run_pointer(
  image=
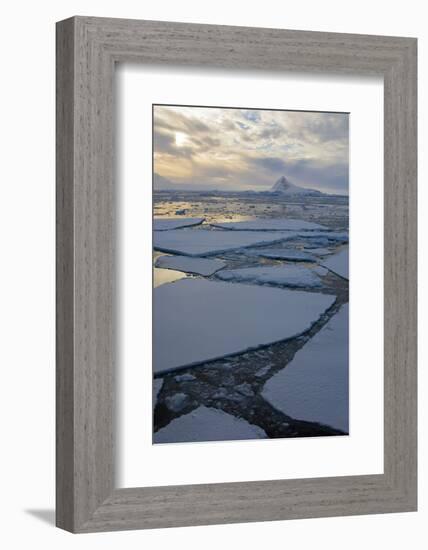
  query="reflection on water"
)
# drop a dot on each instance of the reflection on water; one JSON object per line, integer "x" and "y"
{"x": 162, "y": 276}
{"x": 217, "y": 209}
{"x": 329, "y": 210}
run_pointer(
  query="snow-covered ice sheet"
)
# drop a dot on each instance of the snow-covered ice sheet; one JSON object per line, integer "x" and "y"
{"x": 207, "y": 424}
{"x": 167, "y": 224}
{"x": 197, "y": 266}
{"x": 319, "y": 270}
{"x": 290, "y": 254}
{"x": 339, "y": 263}
{"x": 314, "y": 385}
{"x": 262, "y": 224}
{"x": 287, "y": 275}
{"x": 321, "y": 251}
{"x": 196, "y": 320}
{"x": 190, "y": 242}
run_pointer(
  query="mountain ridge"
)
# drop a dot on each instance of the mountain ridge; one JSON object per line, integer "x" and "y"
{"x": 284, "y": 186}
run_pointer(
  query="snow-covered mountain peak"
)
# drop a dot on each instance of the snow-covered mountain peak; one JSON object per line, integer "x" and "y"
{"x": 285, "y": 187}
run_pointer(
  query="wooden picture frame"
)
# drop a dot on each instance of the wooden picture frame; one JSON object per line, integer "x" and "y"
{"x": 87, "y": 50}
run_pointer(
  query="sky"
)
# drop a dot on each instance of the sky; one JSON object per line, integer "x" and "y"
{"x": 199, "y": 148}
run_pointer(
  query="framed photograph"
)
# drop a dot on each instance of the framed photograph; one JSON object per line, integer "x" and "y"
{"x": 254, "y": 265}
{"x": 236, "y": 274}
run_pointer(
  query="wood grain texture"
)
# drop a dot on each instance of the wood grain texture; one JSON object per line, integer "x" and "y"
{"x": 87, "y": 49}
{"x": 64, "y": 276}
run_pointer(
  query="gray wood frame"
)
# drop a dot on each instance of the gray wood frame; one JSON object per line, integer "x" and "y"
{"x": 87, "y": 50}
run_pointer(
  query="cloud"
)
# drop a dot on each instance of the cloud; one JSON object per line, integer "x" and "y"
{"x": 248, "y": 149}
{"x": 242, "y": 125}
{"x": 252, "y": 116}
{"x": 272, "y": 132}
{"x": 273, "y": 164}
{"x": 165, "y": 143}
{"x": 308, "y": 172}
{"x": 330, "y": 127}
{"x": 176, "y": 118}
{"x": 330, "y": 177}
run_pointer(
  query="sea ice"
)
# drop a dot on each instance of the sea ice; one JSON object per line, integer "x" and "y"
{"x": 262, "y": 224}
{"x": 245, "y": 389}
{"x": 319, "y": 270}
{"x": 157, "y": 386}
{"x": 314, "y": 385}
{"x": 321, "y": 251}
{"x": 287, "y": 275}
{"x": 163, "y": 276}
{"x": 186, "y": 377}
{"x": 167, "y": 224}
{"x": 263, "y": 371}
{"x": 282, "y": 254}
{"x": 316, "y": 242}
{"x": 196, "y": 320}
{"x": 197, "y": 266}
{"x": 338, "y": 236}
{"x": 207, "y": 424}
{"x": 339, "y": 263}
{"x": 177, "y": 401}
{"x": 207, "y": 243}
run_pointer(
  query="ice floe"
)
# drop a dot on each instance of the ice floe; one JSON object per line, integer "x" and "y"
{"x": 186, "y": 377}
{"x": 339, "y": 263}
{"x": 291, "y": 254}
{"x": 190, "y": 242}
{"x": 196, "y": 320}
{"x": 177, "y": 401}
{"x": 314, "y": 385}
{"x": 337, "y": 236}
{"x": 319, "y": 270}
{"x": 207, "y": 424}
{"x": 315, "y": 242}
{"x": 167, "y": 224}
{"x": 263, "y": 371}
{"x": 263, "y": 224}
{"x": 157, "y": 386}
{"x": 321, "y": 251}
{"x": 287, "y": 275}
{"x": 197, "y": 266}
{"x": 245, "y": 389}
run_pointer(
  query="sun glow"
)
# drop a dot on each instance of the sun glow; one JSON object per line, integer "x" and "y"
{"x": 180, "y": 139}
